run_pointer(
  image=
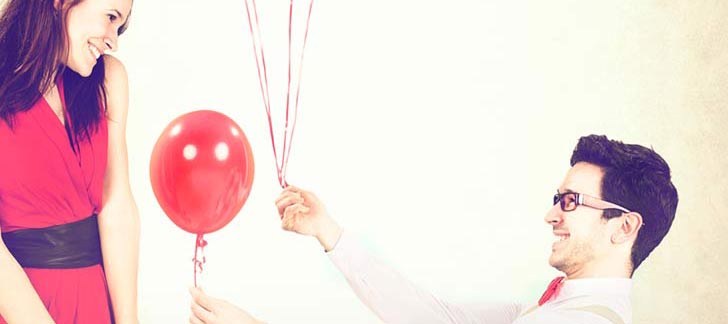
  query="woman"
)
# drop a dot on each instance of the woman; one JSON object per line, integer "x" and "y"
{"x": 69, "y": 224}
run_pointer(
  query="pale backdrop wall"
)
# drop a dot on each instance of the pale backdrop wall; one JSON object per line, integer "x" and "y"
{"x": 437, "y": 132}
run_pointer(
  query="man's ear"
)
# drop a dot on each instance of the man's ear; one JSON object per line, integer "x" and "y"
{"x": 630, "y": 224}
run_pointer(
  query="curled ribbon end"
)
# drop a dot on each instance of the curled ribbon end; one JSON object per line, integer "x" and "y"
{"x": 200, "y": 244}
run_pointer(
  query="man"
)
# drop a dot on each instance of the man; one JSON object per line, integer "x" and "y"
{"x": 613, "y": 208}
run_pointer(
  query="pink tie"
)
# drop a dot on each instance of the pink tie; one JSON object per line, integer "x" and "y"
{"x": 551, "y": 291}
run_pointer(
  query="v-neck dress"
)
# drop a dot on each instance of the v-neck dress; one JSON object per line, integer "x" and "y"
{"x": 47, "y": 181}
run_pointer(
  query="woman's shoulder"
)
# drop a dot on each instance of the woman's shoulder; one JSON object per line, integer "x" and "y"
{"x": 117, "y": 87}
{"x": 114, "y": 70}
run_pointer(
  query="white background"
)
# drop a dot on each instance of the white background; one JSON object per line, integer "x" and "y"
{"x": 437, "y": 132}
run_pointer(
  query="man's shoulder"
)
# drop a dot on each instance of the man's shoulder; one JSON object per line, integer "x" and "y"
{"x": 609, "y": 309}
{"x": 577, "y": 314}
{"x": 606, "y": 314}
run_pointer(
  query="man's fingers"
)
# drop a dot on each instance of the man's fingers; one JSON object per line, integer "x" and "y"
{"x": 295, "y": 209}
{"x": 286, "y": 202}
{"x": 292, "y": 216}
{"x": 289, "y": 191}
{"x": 286, "y": 194}
{"x": 307, "y": 195}
{"x": 293, "y": 189}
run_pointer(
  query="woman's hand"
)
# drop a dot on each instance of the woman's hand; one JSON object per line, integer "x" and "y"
{"x": 209, "y": 310}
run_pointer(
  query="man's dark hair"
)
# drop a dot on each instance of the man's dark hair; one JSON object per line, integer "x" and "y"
{"x": 638, "y": 179}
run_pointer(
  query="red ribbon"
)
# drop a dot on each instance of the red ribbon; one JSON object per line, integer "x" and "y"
{"x": 254, "y": 25}
{"x": 200, "y": 244}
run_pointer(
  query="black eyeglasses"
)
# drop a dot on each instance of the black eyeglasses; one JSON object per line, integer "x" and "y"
{"x": 569, "y": 201}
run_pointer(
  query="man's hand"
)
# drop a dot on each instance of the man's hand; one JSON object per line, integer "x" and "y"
{"x": 302, "y": 212}
{"x": 209, "y": 310}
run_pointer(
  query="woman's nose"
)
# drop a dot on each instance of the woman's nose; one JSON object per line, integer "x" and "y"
{"x": 111, "y": 43}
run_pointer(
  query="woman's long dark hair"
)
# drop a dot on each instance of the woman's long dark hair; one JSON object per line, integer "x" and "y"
{"x": 32, "y": 51}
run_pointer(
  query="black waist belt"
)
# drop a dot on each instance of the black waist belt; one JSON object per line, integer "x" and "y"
{"x": 67, "y": 246}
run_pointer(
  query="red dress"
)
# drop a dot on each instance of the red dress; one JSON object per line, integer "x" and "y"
{"x": 44, "y": 182}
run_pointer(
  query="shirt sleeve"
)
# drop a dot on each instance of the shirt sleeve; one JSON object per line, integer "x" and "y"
{"x": 394, "y": 299}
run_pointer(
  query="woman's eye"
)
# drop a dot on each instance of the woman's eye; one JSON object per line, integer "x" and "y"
{"x": 112, "y": 18}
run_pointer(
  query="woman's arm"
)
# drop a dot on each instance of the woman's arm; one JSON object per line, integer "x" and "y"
{"x": 19, "y": 303}
{"x": 119, "y": 217}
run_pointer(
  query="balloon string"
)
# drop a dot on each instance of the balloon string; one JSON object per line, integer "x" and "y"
{"x": 262, "y": 76}
{"x": 298, "y": 83}
{"x": 288, "y": 94}
{"x": 282, "y": 163}
{"x": 200, "y": 244}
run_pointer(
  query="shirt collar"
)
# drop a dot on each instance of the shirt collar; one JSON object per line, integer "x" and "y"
{"x": 594, "y": 286}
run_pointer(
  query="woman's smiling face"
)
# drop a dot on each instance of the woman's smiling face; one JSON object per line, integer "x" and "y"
{"x": 92, "y": 28}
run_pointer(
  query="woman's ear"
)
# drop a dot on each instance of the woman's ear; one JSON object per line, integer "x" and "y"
{"x": 61, "y": 5}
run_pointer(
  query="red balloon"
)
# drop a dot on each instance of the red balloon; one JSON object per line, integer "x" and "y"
{"x": 202, "y": 171}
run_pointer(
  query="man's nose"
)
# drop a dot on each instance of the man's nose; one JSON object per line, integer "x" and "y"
{"x": 554, "y": 216}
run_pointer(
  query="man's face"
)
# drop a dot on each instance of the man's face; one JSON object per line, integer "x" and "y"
{"x": 582, "y": 236}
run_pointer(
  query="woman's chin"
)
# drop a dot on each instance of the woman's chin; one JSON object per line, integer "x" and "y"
{"x": 82, "y": 70}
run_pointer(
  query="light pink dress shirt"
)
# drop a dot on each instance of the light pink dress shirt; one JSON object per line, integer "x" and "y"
{"x": 394, "y": 299}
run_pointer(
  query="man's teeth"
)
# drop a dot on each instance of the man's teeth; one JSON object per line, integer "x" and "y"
{"x": 563, "y": 237}
{"x": 94, "y": 51}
